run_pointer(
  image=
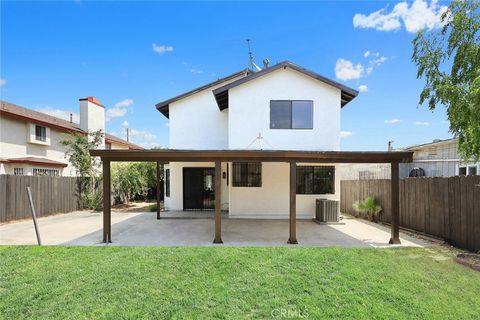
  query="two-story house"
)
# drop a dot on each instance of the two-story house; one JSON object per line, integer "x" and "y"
{"x": 282, "y": 107}
{"x": 30, "y": 140}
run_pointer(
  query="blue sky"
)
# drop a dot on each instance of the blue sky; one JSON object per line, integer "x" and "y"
{"x": 132, "y": 55}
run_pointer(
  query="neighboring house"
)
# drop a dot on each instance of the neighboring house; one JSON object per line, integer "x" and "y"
{"x": 283, "y": 107}
{"x": 439, "y": 158}
{"x": 30, "y": 140}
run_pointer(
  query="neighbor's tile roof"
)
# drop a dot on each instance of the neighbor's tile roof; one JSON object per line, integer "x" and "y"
{"x": 35, "y": 160}
{"x": 15, "y": 111}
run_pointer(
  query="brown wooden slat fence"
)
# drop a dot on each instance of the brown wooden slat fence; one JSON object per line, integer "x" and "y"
{"x": 448, "y": 208}
{"x": 50, "y": 195}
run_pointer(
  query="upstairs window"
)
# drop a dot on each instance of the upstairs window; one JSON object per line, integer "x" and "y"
{"x": 315, "y": 180}
{"x": 291, "y": 114}
{"x": 247, "y": 174}
{"x": 40, "y": 133}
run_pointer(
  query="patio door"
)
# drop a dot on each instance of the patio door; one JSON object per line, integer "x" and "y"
{"x": 198, "y": 189}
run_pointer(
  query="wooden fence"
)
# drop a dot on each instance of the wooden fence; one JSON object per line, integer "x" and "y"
{"x": 448, "y": 208}
{"x": 50, "y": 195}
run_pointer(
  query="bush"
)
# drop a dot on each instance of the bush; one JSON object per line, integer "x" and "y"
{"x": 132, "y": 179}
{"x": 93, "y": 200}
{"x": 369, "y": 208}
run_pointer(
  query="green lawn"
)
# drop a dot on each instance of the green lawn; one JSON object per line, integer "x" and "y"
{"x": 232, "y": 282}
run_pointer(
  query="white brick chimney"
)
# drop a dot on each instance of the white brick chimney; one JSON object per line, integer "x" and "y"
{"x": 92, "y": 116}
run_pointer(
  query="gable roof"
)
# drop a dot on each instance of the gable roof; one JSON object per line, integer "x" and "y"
{"x": 14, "y": 111}
{"x": 221, "y": 94}
{"x": 163, "y": 106}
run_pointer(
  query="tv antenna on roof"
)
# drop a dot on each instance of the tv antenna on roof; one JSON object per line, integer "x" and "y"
{"x": 251, "y": 64}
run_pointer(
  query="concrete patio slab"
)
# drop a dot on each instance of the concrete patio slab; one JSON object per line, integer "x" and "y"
{"x": 143, "y": 229}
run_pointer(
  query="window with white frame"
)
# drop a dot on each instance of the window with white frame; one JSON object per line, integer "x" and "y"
{"x": 18, "y": 171}
{"x": 46, "y": 172}
{"x": 40, "y": 133}
{"x": 468, "y": 170}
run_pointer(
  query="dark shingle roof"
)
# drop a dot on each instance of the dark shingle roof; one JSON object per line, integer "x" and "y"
{"x": 163, "y": 106}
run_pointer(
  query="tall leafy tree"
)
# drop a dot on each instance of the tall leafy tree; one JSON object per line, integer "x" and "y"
{"x": 77, "y": 148}
{"x": 449, "y": 60}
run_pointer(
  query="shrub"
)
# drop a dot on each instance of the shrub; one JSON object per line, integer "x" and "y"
{"x": 369, "y": 208}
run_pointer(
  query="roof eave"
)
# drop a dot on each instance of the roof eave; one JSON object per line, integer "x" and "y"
{"x": 347, "y": 93}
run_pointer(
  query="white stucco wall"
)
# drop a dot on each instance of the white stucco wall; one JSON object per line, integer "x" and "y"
{"x": 14, "y": 143}
{"x": 272, "y": 199}
{"x": 196, "y": 122}
{"x": 249, "y": 113}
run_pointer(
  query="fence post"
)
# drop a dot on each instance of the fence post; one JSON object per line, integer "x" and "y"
{"x": 34, "y": 216}
{"x": 395, "y": 203}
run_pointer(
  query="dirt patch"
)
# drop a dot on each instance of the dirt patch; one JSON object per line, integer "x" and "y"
{"x": 137, "y": 206}
{"x": 471, "y": 260}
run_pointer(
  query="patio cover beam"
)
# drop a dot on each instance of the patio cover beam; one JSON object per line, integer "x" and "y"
{"x": 218, "y": 203}
{"x": 293, "y": 204}
{"x": 172, "y": 155}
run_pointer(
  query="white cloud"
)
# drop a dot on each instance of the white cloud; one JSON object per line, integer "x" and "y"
{"x": 118, "y": 110}
{"x": 195, "y": 71}
{"x": 379, "y": 61}
{"x": 125, "y": 124}
{"x": 363, "y": 88}
{"x": 3, "y": 82}
{"x": 366, "y": 54}
{"x": 422, "y": 123}
{"x": 161, "y": 49}
{"x": 59, "y": 113}
{"x": 419, "y": 15}
{"x": 393, "y": 121}
{"x": 346, "y": 70}
{"x": 344, "y": 134}
{"x": 124, "y": 103}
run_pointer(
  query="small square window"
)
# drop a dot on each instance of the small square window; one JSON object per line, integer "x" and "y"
{"x": 247, "y": 174}
{"x": 18, "y": 171}
{"x": 472, "y": 170}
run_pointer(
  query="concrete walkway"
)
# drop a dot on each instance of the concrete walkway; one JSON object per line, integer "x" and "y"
{"x": 142, "y": 229}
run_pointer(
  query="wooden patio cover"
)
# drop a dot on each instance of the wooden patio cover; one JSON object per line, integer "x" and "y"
{"x": 218, "y": 156}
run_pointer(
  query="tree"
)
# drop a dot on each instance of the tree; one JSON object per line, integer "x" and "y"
{"x": 449, "y": 59}
{"x": 77, "y": 152}
{"x": 130, "y": 179}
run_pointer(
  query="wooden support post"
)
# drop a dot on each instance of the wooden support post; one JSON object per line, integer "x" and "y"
{"x": 107, "y": 210}
{"x": 218, "y": 203}
{"x": 395, "y": 196}
{"x": 159, "y": 183}
{"x": 293, "y": 203}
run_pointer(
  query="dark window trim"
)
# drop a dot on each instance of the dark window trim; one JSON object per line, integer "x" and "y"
{"x": 300, "y": 192}
{"x": 291, "y": 114}
{"x": 249, "y": 180}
